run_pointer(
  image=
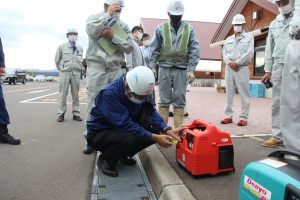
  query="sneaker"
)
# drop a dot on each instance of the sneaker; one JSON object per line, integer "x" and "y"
{"x": 88, "y": 150}
{"x": 226, "y": 121}
{"x": 8, "y": 139}
{"x": 242, "y": 123}
{"x": 128, "y": 161}
{"x": 60, "y": 118}
{"x": 171, "y": 114}
{"x": 272, "y": 142}
{"x": 77, "y": 118}
{"x": 106, "y": 168}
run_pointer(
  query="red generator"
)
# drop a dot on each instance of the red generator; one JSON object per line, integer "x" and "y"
{"x": 205, "y": 150}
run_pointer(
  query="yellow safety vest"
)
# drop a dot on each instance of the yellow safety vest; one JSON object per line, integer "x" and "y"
{"x": 177, "y": 53}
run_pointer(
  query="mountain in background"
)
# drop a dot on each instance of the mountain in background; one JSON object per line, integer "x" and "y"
{"x": 50, "y": 72}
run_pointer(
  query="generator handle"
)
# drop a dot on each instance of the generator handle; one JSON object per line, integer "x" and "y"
{"x": 281, "y": 153}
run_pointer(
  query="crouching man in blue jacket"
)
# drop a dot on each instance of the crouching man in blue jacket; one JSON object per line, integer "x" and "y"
{"x": 124, "y": 121}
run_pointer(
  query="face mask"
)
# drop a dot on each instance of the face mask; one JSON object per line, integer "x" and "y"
{"x": 116, "y": 16}
{"x": 140, "y": 36}
{"x": 175, "y": 19}
{"x": 135, "y": 100}
{"x": 146, "y": 43}
{"x": 238, "y": 29}
{"x": 285, "y": 9}
{"x": 72, "y": 38}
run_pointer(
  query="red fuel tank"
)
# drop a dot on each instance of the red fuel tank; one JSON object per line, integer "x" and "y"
{"x": 205, "y": 150}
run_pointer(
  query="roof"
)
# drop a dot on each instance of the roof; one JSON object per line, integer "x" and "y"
{"x": 204, "y": 32}
{"x": 237, "y": 7}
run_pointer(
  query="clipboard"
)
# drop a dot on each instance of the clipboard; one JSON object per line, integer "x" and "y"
{"x": 107, "y": 45}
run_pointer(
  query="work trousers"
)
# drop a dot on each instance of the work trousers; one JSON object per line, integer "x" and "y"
{"x": 4, "y": 117}
{"x": 237, "y": 80}
{"x": 65, "y": 80}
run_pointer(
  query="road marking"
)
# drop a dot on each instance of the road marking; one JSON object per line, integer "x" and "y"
{"x": 249, "y": 135}
{"x": 37, "y": 91}
{"x": 28, "y": 100}
{"x": 48, "y": 102}
{"x": 12, "y": 91}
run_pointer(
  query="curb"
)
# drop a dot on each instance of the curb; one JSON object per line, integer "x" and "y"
{"x": 165, "y": 182}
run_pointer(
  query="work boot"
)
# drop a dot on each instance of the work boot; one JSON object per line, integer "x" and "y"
{"x": 178, "y": 117}
{"x": 226, "y": 121}
{"x": 88, "y": 149}
{"x": 106, "y": 168}
{"x": 128, "y": 161}
{"x": 5, "y": 137}
{"x": 171, "y": 114}
{"x": 272, "y": 142}
{"x": 60, "y": 118}
{"x": 77, "y": 118}
{"x": 242, "y": 123}
{"x": 164, "y": 113}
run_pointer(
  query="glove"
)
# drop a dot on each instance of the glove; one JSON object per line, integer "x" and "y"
{"x": 191, "y": 76}
{"x": 154, "y": 71}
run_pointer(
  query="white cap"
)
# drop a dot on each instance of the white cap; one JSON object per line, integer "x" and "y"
{"x": 238, "y": 19}
{"x": 176, "y": 7}
{"x": 109, "y": 2}
{"x": 72, "y": 30}
{"x": 141, "y": 80}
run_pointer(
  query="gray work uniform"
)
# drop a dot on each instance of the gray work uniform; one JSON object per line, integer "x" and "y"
{"x": 173, "y": 73}
{"x": 101, "y": 67}
{"x": 239, "y": 49}
{"x": 290, "y": 97}
{"x": 68, "y": 61}
{"x": 135, "y": 58}
{"x": 277, "y": 41}
{"x": 146, "y": 54}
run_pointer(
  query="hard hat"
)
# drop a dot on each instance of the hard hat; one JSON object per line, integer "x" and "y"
{"x": 238, "y": 19}
{"x": 176, "y": 7}
{"x": 141, "y": 80}
{"x": 109, "y": 2}
{"x": 72, "y": 30}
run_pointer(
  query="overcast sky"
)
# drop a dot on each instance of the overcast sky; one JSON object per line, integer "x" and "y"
{"x": 31, "y": 30}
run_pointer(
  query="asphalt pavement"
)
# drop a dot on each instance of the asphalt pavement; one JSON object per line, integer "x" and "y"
{"x": 49, "y": 163}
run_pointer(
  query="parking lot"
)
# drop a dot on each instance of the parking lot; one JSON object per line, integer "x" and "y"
{"x": 49, "y": 163}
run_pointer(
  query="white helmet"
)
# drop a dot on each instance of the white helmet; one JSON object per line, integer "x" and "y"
{"x": 72, "y": 30}
{"x": 176, "y": 7}
{"x": 109, "y": 2}
{"x": 238, "y": 19}
{"x": 141, "y": 80}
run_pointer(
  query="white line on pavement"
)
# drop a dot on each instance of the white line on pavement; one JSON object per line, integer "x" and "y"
{"x": 37, "y": 91}
{"x": 28, "y": 100}
{"x": 48, "y": 102}
{"x": 249, "y": 135}
{"x": 6, "y": 92}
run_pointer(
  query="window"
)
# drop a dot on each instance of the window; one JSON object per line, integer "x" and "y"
{"x": 259, "y": 58}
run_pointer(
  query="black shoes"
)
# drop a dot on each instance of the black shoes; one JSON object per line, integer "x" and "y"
{"x": 77, "y": 118}
{"x": 128, "y": 161}
{"x": 8, "y": 139}
{"x": 88, "y": 150}
{"x": 60, "y": 118}
{"x": 186, "y": 114}
{"x": 106, "y": 168}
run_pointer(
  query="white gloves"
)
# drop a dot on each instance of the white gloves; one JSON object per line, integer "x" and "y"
{"x": 190, "y": 76}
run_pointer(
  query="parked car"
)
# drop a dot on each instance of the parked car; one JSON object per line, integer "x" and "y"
{"x": 50, "y": 78}
{"x": 40, "y": 78}
{"x": 14, "y": 76}
{"x": 29, "y": 78}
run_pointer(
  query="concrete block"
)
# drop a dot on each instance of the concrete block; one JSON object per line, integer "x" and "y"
{"x": 176, "y": 192}
{"x": 159, "y": 171}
